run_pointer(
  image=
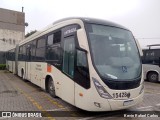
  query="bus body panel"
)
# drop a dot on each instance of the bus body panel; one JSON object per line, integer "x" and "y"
{"x": 10, "y": 66}
{"x": 21, "y": 68}
{"x": 90, "y": 99}
{"x": 13, "y": 67}
{"x": 37, "y": 72}
{"x": 28, "y": 70}
{"x": 65, "y": 86}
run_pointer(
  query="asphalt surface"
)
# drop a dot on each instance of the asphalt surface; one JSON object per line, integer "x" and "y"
{"x": 21, "y": 96}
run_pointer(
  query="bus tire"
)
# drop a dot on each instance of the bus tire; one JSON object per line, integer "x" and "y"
{"x": 152, "y": 77}
{"x": 22, "y": 74}
{"x": 51, "y": 88}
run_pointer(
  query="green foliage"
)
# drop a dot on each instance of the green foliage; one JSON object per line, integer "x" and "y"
{"x": 30, "y": 33}
{"x": 2, "y": 66}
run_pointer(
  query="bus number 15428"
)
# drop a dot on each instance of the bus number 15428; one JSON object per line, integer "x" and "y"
{"x": 121, "y": 95}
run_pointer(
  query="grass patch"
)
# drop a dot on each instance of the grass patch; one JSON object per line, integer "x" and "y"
{"x": 2, "y": 66}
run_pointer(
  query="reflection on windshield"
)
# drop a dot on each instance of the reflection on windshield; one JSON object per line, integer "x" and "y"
{"x": 114, "y": 52}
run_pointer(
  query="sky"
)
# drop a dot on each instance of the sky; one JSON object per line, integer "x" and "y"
{"x": 142, "y": 17}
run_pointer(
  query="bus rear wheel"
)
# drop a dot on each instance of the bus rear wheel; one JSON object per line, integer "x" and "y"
{"x": 51, "y": 88}
{"x": 153, "y": 77}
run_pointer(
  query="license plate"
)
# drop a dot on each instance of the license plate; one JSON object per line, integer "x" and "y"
{"x": 128, "y": 102}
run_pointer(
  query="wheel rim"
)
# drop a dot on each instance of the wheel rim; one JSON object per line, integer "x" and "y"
{"x": 22, "y": 75}
{"x": 51, "y": 88}
{"x": 154, "y": 77}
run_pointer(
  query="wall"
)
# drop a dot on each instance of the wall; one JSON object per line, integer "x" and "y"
{"x": 12, "y": 28}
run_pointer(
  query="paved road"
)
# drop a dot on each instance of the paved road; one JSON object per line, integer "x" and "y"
{"x": 19, "y": 95}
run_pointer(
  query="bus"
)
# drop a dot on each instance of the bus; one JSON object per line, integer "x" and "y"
{"x": 92, "y": 64}
{"x": 10, "y": 60}
{"x": 151, "y": 63}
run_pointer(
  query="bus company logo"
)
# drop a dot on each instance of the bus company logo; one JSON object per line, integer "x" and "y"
{"x": 6, "y": 114}
{"x": 124, "y": 69}
{"x": 70, "y": 31}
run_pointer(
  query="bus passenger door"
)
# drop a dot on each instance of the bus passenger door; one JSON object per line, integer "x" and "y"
{"x": 67, "y": 84}
{"x": 28, "y": 63}
{"x": 82, "y": 79}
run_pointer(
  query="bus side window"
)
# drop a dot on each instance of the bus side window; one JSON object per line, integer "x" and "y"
{"x": 40, "y": 49}
{"x": 24, "y": 53}
{"x": 68, "y": 56}
{"x": 82, "y": 70}
{"x": 33, "y": 50}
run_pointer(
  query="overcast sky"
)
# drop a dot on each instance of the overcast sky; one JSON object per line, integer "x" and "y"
{"x": 142, "y": 17}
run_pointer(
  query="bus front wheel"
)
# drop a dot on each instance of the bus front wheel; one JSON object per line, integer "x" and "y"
{"x": 153, "y": 77}
{"x": 51, "y": 88}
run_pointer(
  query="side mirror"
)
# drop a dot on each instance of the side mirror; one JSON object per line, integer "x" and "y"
{"x": 139, "y": 48}
{"x": 82, "y": 39}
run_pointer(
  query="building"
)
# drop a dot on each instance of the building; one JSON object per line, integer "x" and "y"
{"x": 12, "y": 29}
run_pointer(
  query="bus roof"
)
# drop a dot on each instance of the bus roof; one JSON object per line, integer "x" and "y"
{"x": 85, "y": 20}
{"x": 93, "y": 20}
{"x": 153, "y": 45}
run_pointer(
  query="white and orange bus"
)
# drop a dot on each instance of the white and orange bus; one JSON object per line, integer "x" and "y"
{"x": 92, "y": 64}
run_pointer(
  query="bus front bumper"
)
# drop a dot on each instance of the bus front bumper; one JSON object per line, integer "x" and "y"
{"x": 124, "y": 104}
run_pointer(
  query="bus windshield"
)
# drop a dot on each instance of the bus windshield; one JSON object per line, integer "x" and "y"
{"x": 114, "y": 52}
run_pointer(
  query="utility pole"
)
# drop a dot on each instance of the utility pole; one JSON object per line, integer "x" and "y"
{"x": 22, "y": 9}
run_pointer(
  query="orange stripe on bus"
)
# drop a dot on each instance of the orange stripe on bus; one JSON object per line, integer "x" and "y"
{"x": 49, "y": 68}
{"x": 81, "y": 94}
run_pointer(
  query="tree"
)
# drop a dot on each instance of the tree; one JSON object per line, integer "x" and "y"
{"x": 30, "y": 33}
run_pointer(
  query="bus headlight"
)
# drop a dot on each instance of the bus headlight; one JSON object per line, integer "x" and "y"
{"x": 102, "y": 92}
